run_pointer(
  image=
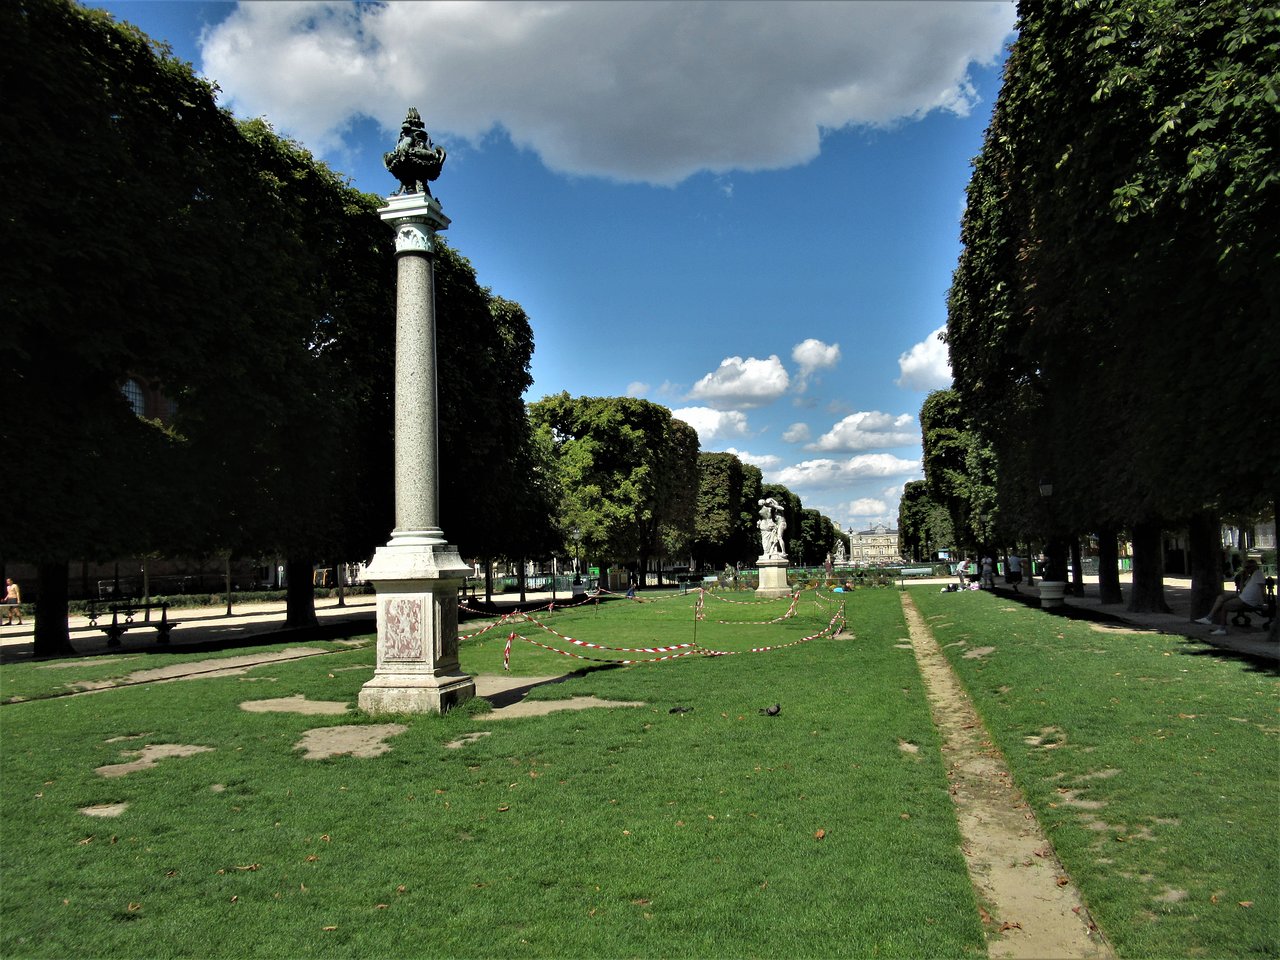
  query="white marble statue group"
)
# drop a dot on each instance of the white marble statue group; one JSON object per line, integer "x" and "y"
{"x": 772, "y": 524}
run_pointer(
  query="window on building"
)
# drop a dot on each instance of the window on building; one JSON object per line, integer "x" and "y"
{"x": 132, "y": 391}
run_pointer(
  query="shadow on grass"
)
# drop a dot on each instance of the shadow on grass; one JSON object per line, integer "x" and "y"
{"x": 1190, "y": 646}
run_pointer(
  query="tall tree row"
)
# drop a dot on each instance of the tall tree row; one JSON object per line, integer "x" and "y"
{"x": 149, "y": 235}
{"x": 1113, "y": 314}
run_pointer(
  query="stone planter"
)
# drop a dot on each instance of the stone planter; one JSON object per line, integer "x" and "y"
{"x": 1051, "y": 593}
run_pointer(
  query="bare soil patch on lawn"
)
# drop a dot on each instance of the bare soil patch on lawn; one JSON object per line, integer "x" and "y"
{"x": 365, "y": 740}
{"x": 1030, "y": 907}
{"x": 296, "y": 704}
{"x": 147, "y": 757}
{"x": 198, "y": 670}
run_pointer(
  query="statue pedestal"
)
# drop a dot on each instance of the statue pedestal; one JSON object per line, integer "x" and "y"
{"x": 773, "y": 578}
{"x": 418, "y": 669}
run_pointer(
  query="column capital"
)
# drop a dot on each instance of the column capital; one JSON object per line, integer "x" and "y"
{"x": 415, "y": 218}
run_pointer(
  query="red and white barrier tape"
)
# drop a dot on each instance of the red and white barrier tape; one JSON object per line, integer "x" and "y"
{"x": 791, "y": 612}
{"x": 835, "y": 625}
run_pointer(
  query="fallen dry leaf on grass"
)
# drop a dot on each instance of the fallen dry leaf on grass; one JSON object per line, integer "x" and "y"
{"x": 1010, "y": 925}
{"x": 819, "y": 834}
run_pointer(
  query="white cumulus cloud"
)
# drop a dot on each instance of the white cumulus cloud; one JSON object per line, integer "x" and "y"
{"x": 867, "y": 507}
{"x": 637, "y": 388}
{"x": 742, "y": 384}
{"x": 868, "y": 430}
{"x": 927, "y": 365}
{"x": 825, "y": 473}
{"x": 634, "y": 91}
{"x": 764, "y": 461}
{"x": 796, "y": 433}
{"x": 713, "y": 424}
{"x": 810, "y": 355}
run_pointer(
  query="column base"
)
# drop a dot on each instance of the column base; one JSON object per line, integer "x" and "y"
{"x": 415, "y": 693}
{"x": 418, "y": 670}
{"x": 773, "y": 579}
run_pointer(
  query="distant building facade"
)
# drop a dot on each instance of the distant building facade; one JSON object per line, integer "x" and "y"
{"x": 879, "y": 544}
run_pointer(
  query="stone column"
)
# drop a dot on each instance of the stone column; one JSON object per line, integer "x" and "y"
{"x": 418, "y": 573}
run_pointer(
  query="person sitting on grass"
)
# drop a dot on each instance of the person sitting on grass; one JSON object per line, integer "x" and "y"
{"x": 1252, "y": 598}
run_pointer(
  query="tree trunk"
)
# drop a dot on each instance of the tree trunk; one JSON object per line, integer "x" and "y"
{"x": 522, "y": 578}
{"x": 488, "y": 580}
{"x": 1055, "y": 561}
{"x": 1204, "y": 531}
{"x": 300, "y": 594}
{"x": 1077, "y": 569}
{"x": 1274, "y": 635}
{"x": 1109, "y": 567}
{"x": 1147, "y": 595}
{"x": 52, "y": 636}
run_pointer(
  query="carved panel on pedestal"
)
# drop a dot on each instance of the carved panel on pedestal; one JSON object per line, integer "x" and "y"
{"x": 404, "y": 628}
{"x": 449, "y": 631}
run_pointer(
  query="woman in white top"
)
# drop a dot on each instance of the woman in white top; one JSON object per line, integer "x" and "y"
{"x": 1252, "y": 598}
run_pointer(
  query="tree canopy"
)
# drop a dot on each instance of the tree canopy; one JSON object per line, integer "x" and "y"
{"x": 1113, "y": 313}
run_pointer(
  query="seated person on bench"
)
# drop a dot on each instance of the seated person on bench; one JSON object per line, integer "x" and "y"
{"x": 1252, "y": 598}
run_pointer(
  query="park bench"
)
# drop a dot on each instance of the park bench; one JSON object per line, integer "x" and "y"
{"x": 912, "y": 572}
{"x": 1241, "y": 617}
{"x": 129, "y": 608}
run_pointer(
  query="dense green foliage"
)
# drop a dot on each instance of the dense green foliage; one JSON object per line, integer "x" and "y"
{"x": 924, "y": 525}
{"x": 228, "y": 269}
{"x": 1116, "y": 298}
{"x": 720, "y": 536}
{"x": 627, "y": 475}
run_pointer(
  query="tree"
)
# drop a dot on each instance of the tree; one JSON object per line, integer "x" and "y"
{"x": 717, "y": 520}
{"x": 625, "y": 472}
{"x": 1122, "y": 197}
{"x": 139, "y": 169}
{"x": 924, "y": 526}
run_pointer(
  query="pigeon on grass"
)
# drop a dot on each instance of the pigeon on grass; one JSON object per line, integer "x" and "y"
{"x": 772, "y": 711}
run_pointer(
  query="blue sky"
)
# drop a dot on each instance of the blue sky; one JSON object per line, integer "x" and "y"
{"x": 746, "y": 211}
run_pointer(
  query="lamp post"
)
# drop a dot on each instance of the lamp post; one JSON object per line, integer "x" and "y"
{"x": 576, "y": 534}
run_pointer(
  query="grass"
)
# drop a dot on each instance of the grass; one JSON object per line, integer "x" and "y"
{"x": 56, "y": 678}
{"x": 1151, "y": 762}
{"x": 620, "y": 832}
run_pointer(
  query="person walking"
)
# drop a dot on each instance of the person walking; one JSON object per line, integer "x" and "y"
{"x": 12, "y": 601}
{"x": 1015, "y": 571}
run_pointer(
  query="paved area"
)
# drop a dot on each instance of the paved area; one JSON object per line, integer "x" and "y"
{"x": 200, "y": 627}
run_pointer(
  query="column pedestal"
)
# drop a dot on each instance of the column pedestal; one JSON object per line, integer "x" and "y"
{"x": 417, "y": 669}
{"x": 773, "y": 578}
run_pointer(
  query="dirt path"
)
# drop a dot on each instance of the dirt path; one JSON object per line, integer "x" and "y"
{"x": 1031, "y": 909}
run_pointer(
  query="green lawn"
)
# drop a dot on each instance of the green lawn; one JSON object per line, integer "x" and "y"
{"x": 1152, "y": 765}
{"x": 1151, "y": 761}
{"x": 604, "y": 833}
